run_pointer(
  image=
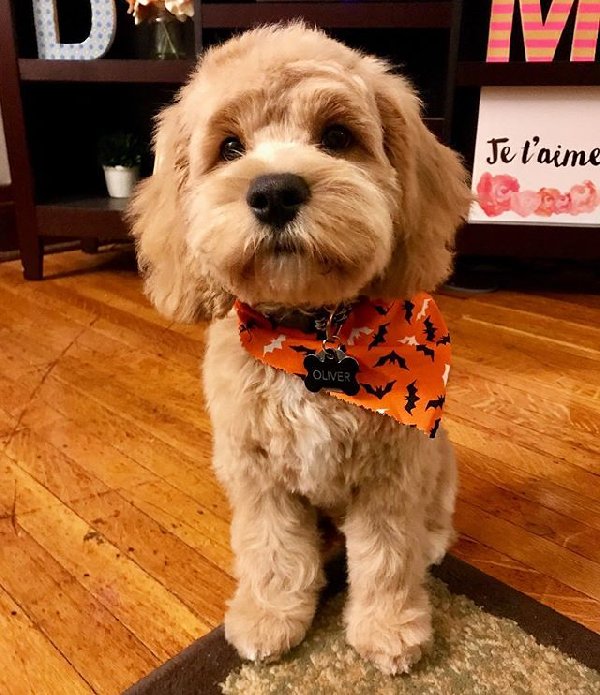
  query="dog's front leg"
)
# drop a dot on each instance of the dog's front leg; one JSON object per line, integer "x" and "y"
{"x": 275, "y": 541}
{"x": 388, "y": 617}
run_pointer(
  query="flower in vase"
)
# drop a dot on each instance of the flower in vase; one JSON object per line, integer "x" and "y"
{"x": 148, "y": 9}
{"x": 182, "y": 9}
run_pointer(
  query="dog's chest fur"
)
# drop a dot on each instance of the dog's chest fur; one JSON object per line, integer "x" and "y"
{"x": 267, "y": 425}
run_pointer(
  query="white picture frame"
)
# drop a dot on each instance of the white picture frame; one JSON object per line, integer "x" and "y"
{"x": 537, "y": 156}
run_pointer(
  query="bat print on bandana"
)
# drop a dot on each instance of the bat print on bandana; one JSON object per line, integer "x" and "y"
{"x": 430, "y": 330}
{"x": 411, "y": 397}
{"x": 446, "y": 374}
{"x": 409, "y": 307}
{"x": 303, "y": 349}
{"x": 391, "y": 358}
{"x": 357, "y": 332}
{"x": 379, "y": 336}
{"x": 383, "y": 310}
{"x": 427, "y": 351}
{"x": 275, "y": 344}
{"x": 379, "y": 391}
{"x": 248, "y": 326}
{"x": 402, "y": 370}
{"x": 426, "y": 302}
{"x": 436, "y": 402}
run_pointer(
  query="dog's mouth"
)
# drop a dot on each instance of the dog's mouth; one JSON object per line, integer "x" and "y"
{"x": 281, "y": 243}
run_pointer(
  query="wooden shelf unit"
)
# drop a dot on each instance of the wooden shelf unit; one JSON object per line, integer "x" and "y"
{"x": 105, "y": 70}
{"x": 65, "y": 217}
{"x": 25, "y": 83}
{"x": 331, "y": 15}
{"x": 529, "y": 241}
{"x": 556, "y": 74}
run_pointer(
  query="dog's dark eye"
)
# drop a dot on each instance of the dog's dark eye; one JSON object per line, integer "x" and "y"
{"x": 232, "y": 148}
{"x": 336, "y": 137}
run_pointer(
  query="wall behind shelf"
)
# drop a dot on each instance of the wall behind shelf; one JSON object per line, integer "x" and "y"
{"x": 64, "y": 122}
{"x": 419, "y": 54}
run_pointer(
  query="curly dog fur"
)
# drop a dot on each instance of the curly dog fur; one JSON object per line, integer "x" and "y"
{"x": 380, "y": 222}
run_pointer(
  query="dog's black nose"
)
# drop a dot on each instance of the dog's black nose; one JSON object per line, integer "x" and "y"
{"x": 275, "y": 199}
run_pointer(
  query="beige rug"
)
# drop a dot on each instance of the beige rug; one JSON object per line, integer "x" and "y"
{"x": 474, "y": 652}
{"x": 510, "y": 645}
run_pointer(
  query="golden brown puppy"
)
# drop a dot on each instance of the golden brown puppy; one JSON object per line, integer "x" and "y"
{"x": 375, "y": 204}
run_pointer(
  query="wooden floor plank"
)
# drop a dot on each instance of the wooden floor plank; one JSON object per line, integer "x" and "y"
{"x": 545, "y": 409}
{"x": 566, "y": 449}
{"x": 199, "y": 583}
{"x": 14, "y": 397}
{"x": 182, "y": 343}
{"x": 157, "y": 417}
{"x": 576, "y": 338}
{"x": 184, "y": 393}
{"x": 530, "y": 357}
{"x": 514, "y": 455}
{"x": 49, "y": 673}
{"x": 20, "y": 493}
{"x": 546, "y": 382}
{"x": 95, "y": 454}
{"x": 49, "y": 466}
{"x": 143, "y": 605}
{"x": 527, "y": 580}
{"x": 12, "y": 282}
{"x": 532, "y": 517}
{"x": 69, "y": 616}
{"x": 572, "y": 603}
{"x": 540, "y": 489}
{"x": 190, "y": 474}
{"x": 104, "y": 336}
{"x": 196, "y": 525}
{"x": 577, "y": 572}
{"x": 559, "y": 311}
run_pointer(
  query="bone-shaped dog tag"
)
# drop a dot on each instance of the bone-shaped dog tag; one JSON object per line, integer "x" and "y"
{"x": 333, "y": 370}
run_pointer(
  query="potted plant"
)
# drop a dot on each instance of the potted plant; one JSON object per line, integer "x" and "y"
{"x": 120, "y": 156}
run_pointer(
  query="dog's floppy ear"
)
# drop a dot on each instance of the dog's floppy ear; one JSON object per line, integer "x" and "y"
{"x": 433, "y": 196}
{"x": 173, "y": 279}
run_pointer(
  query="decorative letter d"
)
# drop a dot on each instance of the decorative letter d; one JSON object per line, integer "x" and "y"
{"x": 104, "y": 24}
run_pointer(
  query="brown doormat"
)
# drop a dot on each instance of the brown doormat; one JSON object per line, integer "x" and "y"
{"x": 476, "y": 650}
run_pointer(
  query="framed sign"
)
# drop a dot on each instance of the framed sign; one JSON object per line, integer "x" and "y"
{"x": 537, "y": 156}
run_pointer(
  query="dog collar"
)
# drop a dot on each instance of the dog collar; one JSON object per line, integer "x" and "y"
{"x": 394, "y": 353}
{"x": 313, "y": 321}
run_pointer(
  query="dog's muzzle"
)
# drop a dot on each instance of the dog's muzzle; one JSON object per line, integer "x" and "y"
{"x": 275, "y": 199}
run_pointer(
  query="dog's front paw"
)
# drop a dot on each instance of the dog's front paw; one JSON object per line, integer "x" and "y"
{"x": 393, "y": 640}
{"x": 264, "y": 634}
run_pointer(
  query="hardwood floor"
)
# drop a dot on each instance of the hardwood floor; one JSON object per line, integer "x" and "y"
{"x": 114, "y": 550}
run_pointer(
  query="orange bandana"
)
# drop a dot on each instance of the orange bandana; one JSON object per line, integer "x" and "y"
{"x": 402, "y": 348}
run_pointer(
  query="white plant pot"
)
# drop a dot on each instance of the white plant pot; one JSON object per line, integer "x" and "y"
{"x": 121, "y": 180}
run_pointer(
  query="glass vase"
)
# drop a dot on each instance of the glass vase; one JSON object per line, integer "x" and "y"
{"x": 164, "y": 37}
